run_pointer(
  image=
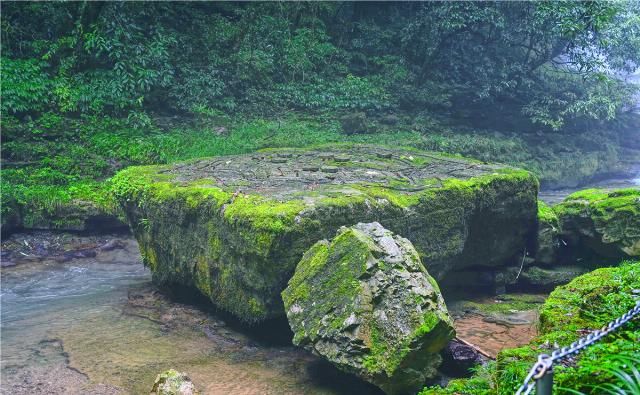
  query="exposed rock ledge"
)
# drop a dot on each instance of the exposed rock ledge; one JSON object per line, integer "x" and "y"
{"x": 235, "y": 227}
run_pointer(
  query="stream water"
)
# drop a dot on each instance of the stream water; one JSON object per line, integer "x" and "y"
{"x": 97, "y": 325}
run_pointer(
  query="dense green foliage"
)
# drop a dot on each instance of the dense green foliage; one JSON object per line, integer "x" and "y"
{"x": 573, "y": 310}
{"x": 548, "y": 62}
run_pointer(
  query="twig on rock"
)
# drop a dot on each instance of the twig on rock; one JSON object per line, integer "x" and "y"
{"x": 524, "y": 254}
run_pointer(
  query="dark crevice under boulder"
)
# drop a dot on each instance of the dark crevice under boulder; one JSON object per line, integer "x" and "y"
{"x": 235, "y": 227}
{"x": 459, "y": 359}
{"x": 365, "y": 302}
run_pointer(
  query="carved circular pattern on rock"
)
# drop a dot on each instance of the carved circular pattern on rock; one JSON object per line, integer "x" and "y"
{"x": 285, "y": 171}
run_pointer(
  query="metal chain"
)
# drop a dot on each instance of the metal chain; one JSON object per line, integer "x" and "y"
{"x": 545, "y": 361}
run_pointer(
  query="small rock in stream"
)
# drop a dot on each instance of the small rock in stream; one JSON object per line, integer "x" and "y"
{"x": 111, "y": 245}
{"x": 172, "y": 382}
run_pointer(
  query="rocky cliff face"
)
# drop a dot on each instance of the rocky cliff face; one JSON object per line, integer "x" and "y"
{"x": 365, "y": 302}
{"x": 235, "y": 227}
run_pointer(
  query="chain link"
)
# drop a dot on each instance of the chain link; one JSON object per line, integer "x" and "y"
{"x": 544, "y": 363}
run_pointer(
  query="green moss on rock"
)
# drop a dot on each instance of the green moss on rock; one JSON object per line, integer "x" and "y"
{"x": 250, "y": 218}
{"x": 365, "y": 302}
{"x": 606, "y": 223}
{"x": 504, "y": 304}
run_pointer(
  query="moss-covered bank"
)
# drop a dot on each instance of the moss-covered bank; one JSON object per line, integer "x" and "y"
{"x": 571, "y": 311}
{"x": 235, "y": 227}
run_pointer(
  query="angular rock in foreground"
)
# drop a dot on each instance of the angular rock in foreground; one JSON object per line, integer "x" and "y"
{"x": 365, "y": 302}
{"x": 235, "y": 227}
{"x": 605, "y": 222}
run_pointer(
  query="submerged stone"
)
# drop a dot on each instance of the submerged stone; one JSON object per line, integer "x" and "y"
{"x": 606, "y": 223}
{"x": 172, "y": 382}
{"x": 235, "y": 227}
{"x": 365, "y": 302}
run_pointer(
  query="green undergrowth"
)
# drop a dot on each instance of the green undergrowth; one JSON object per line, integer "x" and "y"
{"x": 588, "y": 302}
{"x": 53, "y": 160}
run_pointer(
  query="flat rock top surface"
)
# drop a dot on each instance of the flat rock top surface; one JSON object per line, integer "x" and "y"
{"x": 286, "y": 171}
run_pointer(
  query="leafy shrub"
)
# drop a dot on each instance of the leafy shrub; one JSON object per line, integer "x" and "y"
{"x": 25, "y": 86}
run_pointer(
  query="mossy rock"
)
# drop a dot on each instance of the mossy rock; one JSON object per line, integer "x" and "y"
{"x": 365, "y": 302}
{"x": 550, "y": 277}
{"x": 74, "y": 215}
{"x": 355, "y": 123}
{"x": 548, "y": 236}
{"x": 172, "y": 382}
{"x": 235, "y": 227}
{"x": 606, "y": 223}
{"x": 573, "y": 310}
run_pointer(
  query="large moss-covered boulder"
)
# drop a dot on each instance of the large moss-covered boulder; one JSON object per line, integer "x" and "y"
{"x": 365, "y": 302}
{"x": 235, "y": 227}
{"x": 606, "y": 223}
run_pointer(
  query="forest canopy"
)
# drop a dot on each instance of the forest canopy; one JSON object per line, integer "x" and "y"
{"x": 554, "y": 65}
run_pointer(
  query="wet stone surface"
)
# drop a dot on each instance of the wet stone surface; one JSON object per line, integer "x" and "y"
{"x": 61, "y": 247}
{"x": 291, "y": 171}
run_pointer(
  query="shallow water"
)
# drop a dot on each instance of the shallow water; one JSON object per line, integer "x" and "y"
{"x": 493, "y": 332}
{"x": 97, "y": 325}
